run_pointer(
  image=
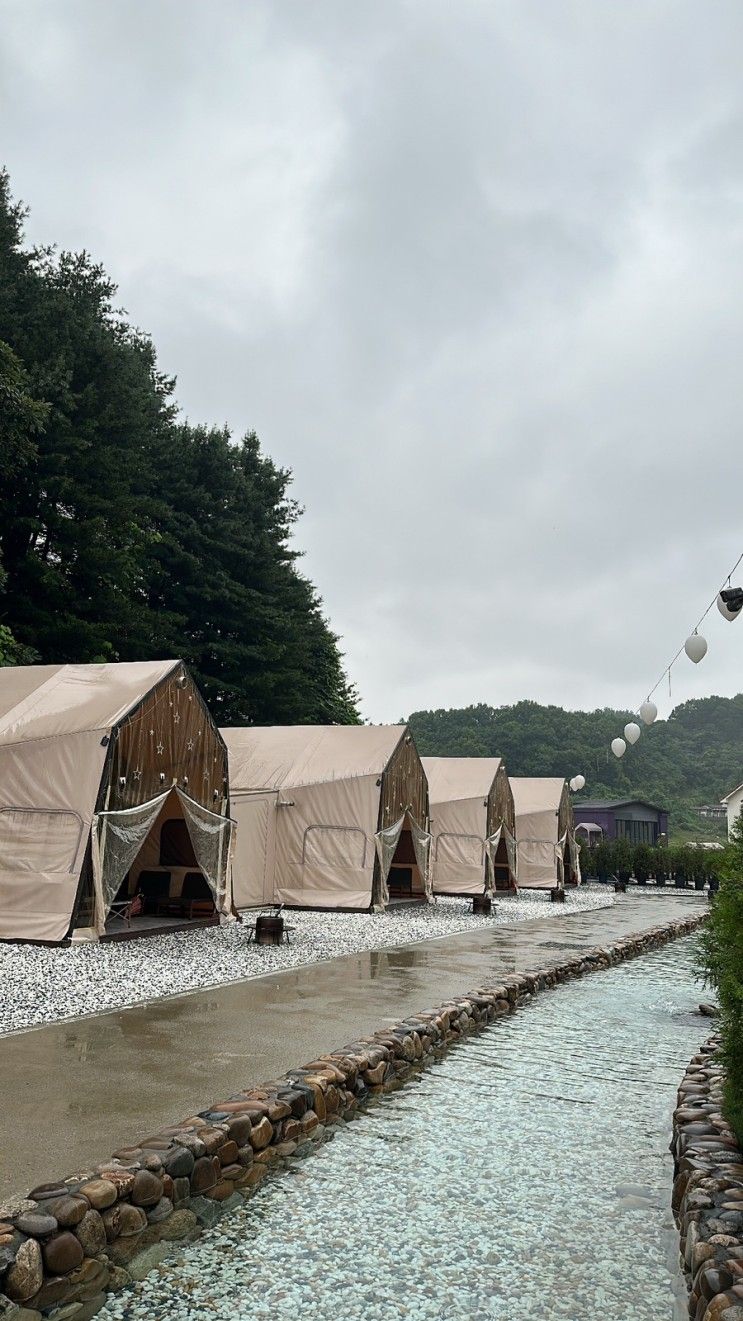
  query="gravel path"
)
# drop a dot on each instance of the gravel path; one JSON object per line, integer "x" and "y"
{"x": 43, "y": 985}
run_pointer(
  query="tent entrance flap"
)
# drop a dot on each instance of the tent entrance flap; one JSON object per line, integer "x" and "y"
{"x": 414, "y": 859}
{"x": 118, "y": 837}
{"x": 385, "y": 842}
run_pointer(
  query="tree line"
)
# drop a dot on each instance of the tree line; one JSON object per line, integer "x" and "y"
{"x": 127, "y": 533}
{"x": 690, "y": 759}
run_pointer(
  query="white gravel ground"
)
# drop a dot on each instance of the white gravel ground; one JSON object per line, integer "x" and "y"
{"x": 43, "y": 985}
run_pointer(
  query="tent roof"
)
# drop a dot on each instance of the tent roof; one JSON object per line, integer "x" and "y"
{"x": 46, "y": 701}
{"x": 538, "y": 795}
{"x": 286, "y": 756}
{"x": 451, "y": 778}
{"x": 595, "y": 804}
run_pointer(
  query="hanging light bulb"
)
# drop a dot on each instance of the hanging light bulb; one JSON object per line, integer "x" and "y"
{"x": 573, "y": 784}
{"x": 580, "y": 782}
{"x": 696, "y": 647}
{"x": 648, "y": 712}
{"x": 631, "y": 732}
{"x": 729, "y": 608}
{"x": 618, "y": 747}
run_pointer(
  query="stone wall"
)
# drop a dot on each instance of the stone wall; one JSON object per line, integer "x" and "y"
{"x": 72, "y": 1240}
{"x": 708, "y": 1192}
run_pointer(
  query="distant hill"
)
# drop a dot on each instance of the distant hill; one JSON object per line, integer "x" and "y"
{"x": 692, "y": 758}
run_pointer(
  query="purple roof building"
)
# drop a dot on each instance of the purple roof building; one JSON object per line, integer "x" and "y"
{"x": 620, "y": 818}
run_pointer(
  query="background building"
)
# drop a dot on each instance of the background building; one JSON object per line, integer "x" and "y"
{"x": 621, "y": 818}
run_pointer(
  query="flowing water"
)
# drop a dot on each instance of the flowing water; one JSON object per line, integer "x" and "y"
{"x": 526, "y": 1177}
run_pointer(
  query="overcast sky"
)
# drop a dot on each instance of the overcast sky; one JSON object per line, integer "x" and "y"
{"x": 474, "y": 271}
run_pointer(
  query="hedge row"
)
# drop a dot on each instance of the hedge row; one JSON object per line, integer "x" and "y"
{"x": 722, "y": 962}
{"x": 620, "y": 858}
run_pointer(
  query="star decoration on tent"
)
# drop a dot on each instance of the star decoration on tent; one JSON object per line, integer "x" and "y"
{"x": 152, "y": 733}
{"x": 189, "y": 745}
{"x": 206, "y": 775}
{"x": 177, "y": 717}
{"x": 160, "y": 749}
{"x": 137, "y": 774}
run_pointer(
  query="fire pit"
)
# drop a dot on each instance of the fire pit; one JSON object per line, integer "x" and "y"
{"x": 269, "y": 930}
{"x": 557, "y": 895}
{"x": 482, "y": 905}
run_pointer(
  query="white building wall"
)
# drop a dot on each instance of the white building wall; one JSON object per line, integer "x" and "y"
{"x": 733, "y": 803}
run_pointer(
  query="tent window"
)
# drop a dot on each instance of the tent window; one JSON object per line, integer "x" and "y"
{"x": 460, "y": 850}
{"x": 37, "y": 839}
{"x": 176, "y": 849}
{"x": 334, "y": 846}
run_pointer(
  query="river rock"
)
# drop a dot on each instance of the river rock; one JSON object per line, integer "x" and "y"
{"x": 261, "y": 1134}
{"x": 46, "y": 1190}
{"x": 179, "y": 1163}
{"x": 89, "y": 1279}
{"x": 68, "y": 1211}
{"x": 37, "y": 1225}
{"x": 228, "y": 1153}
{"x": 123, "y": 1221}
{"x": 161, "y": 1211}
{"x": 181, "y": 1190}
{"x": 213, "y": 1139}
{"x": 62, "y": 1253}
{"x": 203, "y": 1176}
{"x": 118, "y": 1278}
{"x": 26, "y": 1276}
{"x": 100, "y": 1193}
{"x": 147, "y": 1188}
{"x": 180, "y": 1224}
{"x": 92, "y": 1233}
{"x": 239, "y": 1129}
{"x": 145, "y": 1261}
{"x": 91, "y": 1308}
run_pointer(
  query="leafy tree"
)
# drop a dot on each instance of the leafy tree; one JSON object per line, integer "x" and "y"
{"x": 126, "y": 533}
{"x": 680, "y": 763}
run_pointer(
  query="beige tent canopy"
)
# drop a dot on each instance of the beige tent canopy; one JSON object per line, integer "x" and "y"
{"x": 473, "y": 847}
{"x": 92, "y": 759}
{"x": 545, "y": 833}
{"x": 327, "y": 816}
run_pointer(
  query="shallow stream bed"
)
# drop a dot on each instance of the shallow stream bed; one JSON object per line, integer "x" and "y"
{"x": 526, "y": 1175}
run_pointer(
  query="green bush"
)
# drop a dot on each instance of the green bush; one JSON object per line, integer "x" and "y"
{"x": 722, "y": 963}
{"x": 602, "y": 860}
{"x": 643, "y": 860}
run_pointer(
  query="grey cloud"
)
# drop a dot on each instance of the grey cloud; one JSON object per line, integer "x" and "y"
{"x": 474, "y": 272}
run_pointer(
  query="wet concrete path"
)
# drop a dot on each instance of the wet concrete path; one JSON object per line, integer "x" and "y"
{"x": 72, "y": 1092}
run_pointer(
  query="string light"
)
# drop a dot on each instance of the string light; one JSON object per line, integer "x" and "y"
{"x": 695, "y": 647}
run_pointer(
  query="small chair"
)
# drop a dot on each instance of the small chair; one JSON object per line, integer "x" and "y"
{"x": 196, "y": 898}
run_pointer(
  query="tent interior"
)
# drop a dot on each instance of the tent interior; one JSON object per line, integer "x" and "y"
{"x": 502, "y": 867}
{"x": 405, "y": 880}
{"x": 167, "y": 877}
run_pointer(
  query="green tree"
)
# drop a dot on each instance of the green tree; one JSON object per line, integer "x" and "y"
{"x": 126, "y": 533}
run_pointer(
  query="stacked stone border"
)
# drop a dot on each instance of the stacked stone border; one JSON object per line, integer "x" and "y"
{"x": 74, "y": 1240}
{"x": 708, "y": 1192}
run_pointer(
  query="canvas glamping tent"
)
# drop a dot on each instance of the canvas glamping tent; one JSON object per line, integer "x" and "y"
{"x": 327, "y": 816}
{"x": 545, "y": 833}
{"x": 473, "y": 848}
{"x": 97, "y": 762}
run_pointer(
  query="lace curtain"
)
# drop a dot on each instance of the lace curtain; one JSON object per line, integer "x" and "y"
{"x": 491, "y": 848}
{"x": 118, "y": 836}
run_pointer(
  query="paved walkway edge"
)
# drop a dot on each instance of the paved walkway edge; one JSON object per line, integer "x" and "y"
{"x": 75, "y": 1239}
